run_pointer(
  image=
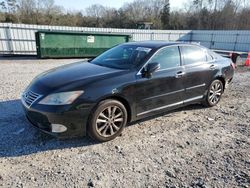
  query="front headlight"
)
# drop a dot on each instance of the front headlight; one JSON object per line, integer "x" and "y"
{"x": 62, "y": 98}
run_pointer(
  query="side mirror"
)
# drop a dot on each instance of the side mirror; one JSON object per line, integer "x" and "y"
{"x": 90, "y": 59}
{"x": 150, "y": 69}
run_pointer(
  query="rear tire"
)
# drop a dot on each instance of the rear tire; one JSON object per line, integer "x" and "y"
{"x": 214, "y": 93}
{"x": 108, "y": 120}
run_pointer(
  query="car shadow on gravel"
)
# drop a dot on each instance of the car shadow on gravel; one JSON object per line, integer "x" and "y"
{"x": 19, "y": 138}
{"x": 23, "y": 58}
{"x": 169, "y": 113}
{"x": 18, "y": 58}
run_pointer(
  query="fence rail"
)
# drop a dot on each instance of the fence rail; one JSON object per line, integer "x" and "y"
{"x": 20, "y": 38}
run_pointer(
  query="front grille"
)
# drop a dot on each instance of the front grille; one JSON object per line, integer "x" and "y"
{"x": 30, "y": 97}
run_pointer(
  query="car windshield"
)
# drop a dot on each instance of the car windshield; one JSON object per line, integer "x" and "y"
{"x": 122, "y": 57}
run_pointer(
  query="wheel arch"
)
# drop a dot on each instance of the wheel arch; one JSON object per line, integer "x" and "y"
{"x": 234, "y": 56}
{"x": 121, "y": 100}
{"x": 222, "y": 79}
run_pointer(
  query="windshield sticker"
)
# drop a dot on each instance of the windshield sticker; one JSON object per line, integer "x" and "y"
{"x": 144, "y": 49}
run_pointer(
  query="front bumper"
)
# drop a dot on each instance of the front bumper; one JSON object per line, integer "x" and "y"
{"x": 74, "y": 120}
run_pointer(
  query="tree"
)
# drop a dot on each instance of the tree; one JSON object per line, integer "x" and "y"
{"x": 12, "y": 6}
{"x": 177, "y": 20}
{"x": 228, "y": 16}
{"x": 198, "y": 4}
{"x": 27, "y": 12}
{"x": 2, "y": 11}
{"x": 243, "y": 21}
{"x": 96, "y": 11}
{"x": 165, "y": 15}
{"x": 198, "y": 14}
{"x": 204, "y": 19}
{"x": 3, "y": 6}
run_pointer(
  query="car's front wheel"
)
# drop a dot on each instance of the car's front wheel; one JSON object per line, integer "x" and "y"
{"x": 214, "y": 93}
{"x": 107, "y": 121}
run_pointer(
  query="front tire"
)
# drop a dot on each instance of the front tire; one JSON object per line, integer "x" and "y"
{"x": 214, "y": 93}
{"x": 108, "y": 120}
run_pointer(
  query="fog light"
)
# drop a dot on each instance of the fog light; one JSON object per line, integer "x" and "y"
{"x": 57, "y": 128}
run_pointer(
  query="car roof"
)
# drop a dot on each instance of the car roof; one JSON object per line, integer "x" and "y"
{"x": 157, "y": 44}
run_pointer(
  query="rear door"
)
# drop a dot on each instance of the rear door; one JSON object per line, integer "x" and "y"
{"x": 165, "y": 88}
{"x": 199, "y": 70}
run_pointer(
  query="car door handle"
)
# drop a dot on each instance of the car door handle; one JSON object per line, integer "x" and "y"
{"x": 212, "y": 67}
{"x": 179, "y": 74}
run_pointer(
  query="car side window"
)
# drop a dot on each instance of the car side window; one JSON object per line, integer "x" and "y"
{"x": 214, "y": 54}
{"x": 193, "y": 54}
{"x": 167, "y": 57}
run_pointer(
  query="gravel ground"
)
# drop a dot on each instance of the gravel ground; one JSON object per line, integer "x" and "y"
{"x": 190, "y": 147}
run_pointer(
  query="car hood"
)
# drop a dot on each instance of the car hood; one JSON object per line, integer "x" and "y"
{"x": 72, "y": 76}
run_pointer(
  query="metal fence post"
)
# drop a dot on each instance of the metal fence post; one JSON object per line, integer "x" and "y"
{"x": 191, "y": 37}
{"x": 211, "y": 42}
{"x": 152, "y": 36}
{"x": 9, "y": 39}
{"x": 236, "y": 41}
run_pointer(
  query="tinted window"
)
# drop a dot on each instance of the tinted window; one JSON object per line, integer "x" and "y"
{"x": 122, "y": 57}
{"x": 193, "y": 54}
{"x": 168, "y": 57}
{"x": 214, "y": 54}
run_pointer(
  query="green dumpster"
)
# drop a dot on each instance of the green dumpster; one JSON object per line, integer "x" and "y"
{"x": 58, "y": 44}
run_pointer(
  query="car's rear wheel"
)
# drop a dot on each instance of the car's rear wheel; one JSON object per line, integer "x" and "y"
{"x": 107, "y": 121}
{"x": 214, "y": 93}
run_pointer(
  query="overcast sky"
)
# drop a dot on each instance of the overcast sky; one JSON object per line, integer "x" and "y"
{"x": 82, "y": 4}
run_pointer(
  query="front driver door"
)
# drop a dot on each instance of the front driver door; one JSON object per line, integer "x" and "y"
{"x": 165, "y": 88}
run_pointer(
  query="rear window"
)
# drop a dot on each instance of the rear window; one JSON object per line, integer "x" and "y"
{"x": 193, "y": 54}
{"x": 214, "y": 54}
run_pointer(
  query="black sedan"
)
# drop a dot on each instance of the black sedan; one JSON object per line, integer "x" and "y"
{"x": 126, "y": 83}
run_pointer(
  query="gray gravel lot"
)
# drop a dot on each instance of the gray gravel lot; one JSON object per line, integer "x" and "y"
{"x": 190, "y": 147}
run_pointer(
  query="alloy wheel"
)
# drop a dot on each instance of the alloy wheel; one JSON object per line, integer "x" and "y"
{"x": 215, "y": 92}
{"x": 109, "y": 121}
